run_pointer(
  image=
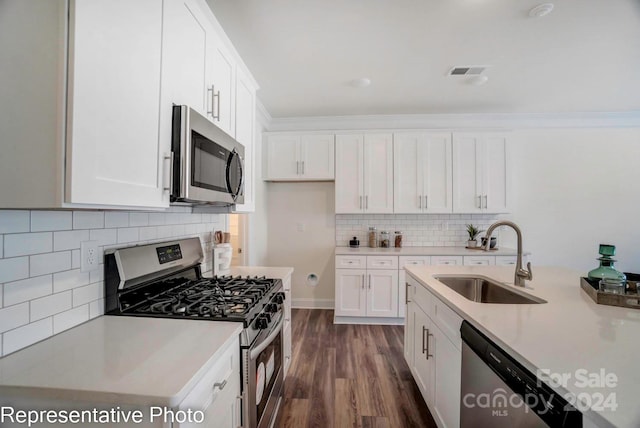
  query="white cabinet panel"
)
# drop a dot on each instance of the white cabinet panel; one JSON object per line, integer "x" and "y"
{"x": 446, "y": 260}
{"x": 351, "y": 262}
{"x": 479, "y": 260}
{"x": 409, "y": 327}
{"x": 507, "y": 260}
{"x": 378, "y": 173}
{"x": 349, "y": 174}
{"x": 422, "y": 360}
{"x": 422, "y": 172}
{"x": 447, "y": 370}
{"x": 114, "y": 154}
{"x": 382, "y": 262}
{"x": 351, "y": 293}
{"x": 245, "y": 128}
{"x": 496, "y": 174}
{"x": 300, "y": 157}
{"x": 382, "y": 293}
{"x": 222, "y": 90}
{"x": 317, "y": 157}
{"x": 283, "y": 157}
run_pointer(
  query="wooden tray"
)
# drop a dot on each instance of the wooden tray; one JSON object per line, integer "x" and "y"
{"x": 631, "y": 299}
{"x": 480, "y": 248}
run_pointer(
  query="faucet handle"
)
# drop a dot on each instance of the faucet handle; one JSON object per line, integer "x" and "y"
{"x": 529, "y": 271}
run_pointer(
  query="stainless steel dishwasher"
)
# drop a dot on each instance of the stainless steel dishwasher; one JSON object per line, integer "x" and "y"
{"x": 497, "y": 391}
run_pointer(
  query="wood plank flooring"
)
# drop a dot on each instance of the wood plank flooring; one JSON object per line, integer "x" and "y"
{"x": 349, "y": 376}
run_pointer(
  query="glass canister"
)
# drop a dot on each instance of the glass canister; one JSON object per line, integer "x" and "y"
{"x": 398, "y": 239}
{"x": 384, "y": 239}
{"x": 373, "y": 237}
{"x": 606, "y": 269}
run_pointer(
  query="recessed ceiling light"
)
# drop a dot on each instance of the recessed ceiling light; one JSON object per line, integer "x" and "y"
{"x": 361, "y": 82}
{"x": 541, "y": 10}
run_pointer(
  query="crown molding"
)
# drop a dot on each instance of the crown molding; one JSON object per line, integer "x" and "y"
{"x": 629, "y": 119}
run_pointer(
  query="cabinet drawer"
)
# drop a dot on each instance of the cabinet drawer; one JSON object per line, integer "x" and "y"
{"x": 479, "y": 260}
{"x": 421, "y": 297}
{"x": 382, "y": 262}
{"x": 506, "y": 260}
{"x": 414, "y": 261}
{"x": 448, "y": 321}
{"x": 225, "y": 373}
{"x": 446, "y": 260}
{"x": 351, "y": 262}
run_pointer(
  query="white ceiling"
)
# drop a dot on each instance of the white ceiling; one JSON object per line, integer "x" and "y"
{"x": 583, "y": 57}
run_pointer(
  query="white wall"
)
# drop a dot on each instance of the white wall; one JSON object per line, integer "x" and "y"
{"x": 309, "y": 206}
{"x": 575, "y": 189}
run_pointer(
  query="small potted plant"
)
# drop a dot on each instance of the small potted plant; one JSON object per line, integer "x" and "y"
{"x": 473, "y": 234}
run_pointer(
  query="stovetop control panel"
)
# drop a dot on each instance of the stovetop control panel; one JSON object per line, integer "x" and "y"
{"x": 169, "y": 253}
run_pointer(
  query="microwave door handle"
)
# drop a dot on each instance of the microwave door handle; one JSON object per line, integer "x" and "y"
{"x": 234, "y": 192}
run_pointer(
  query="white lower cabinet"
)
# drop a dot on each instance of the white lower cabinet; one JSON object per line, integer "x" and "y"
{"x": 370, "y": 292}
{"x": 433, "y": 350}
{"x": 447, "y": 260}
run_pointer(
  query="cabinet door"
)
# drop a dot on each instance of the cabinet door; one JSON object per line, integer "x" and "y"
{"x": 495, "y": 174}
{"x": 446, "y": 260}
{"x": 447, "y": 364}
{"x": 317, "y": 157}
{"x": 479, "y": 261}
{"x": 422, "y": 355}
{"x": 408, "y": 178}
{"x": 283, "y": 157}
{"x": 114, "y": 149}
{"x": 382, "y": 293}
{"x": 378, "y": 173}
{"x": 409, "y": 327}
{"x": 223, "y": 85}
{"x": 349, "y": 174}
{"x": 351, "y": 295}
{"x": 402, "y": 293}
{"x": 436, "y": 162}
{"x": 467, "y": 180}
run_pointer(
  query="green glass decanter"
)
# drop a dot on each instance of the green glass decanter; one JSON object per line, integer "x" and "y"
{"x": 606, "y": 269}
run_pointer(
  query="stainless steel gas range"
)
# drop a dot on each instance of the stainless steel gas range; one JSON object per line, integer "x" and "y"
{"x": 165, "y": 280}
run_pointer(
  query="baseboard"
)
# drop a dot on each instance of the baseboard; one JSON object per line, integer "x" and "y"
{"x": 312, "y": 303}
{"x": 368, "y": 320}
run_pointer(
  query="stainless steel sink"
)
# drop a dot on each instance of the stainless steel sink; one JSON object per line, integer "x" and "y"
{"x": 484, "y": 290}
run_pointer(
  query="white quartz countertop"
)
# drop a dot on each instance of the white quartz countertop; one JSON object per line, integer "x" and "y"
{"x": 424, "y": 251}
{"x": 568, "y": 333}
{"x": 118, "y": 360}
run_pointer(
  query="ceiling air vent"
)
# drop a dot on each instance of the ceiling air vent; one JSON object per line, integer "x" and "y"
{"x": 473, "y": 70}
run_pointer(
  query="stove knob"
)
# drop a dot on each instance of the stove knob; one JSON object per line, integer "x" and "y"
{"x": 266, "y": 316}
{"x": 261, "y": 323}
{"x": 271, "y": 308}
{"x": 279, "y": 298}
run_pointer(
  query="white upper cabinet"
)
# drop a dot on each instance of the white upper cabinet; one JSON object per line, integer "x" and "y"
{"x": 364, "y": 173}
{"x": 422, "y": 172}
{"x": 300, "y": 157}
{"x": 222, "y": 89}
{"x": 480, "y": 173}
{"x": 245, "y": 134}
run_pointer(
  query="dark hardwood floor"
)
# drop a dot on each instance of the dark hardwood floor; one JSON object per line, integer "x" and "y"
{"x": 349, "y": 376}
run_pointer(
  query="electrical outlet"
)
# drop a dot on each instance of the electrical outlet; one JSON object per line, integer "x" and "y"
{"x": 89, "y": 259}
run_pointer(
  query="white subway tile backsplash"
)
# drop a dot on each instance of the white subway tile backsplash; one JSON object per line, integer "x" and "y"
{"x": 49, "y": 263}
{"x": 14, "y": 269}
{"x": 46, "y": 221}
{"x": 70, "y": 318}
{"x": 116, "y": 219}
{"x": 50, "y": 305}
{"x": 69, "y": 240}
{"x": 24, "y": 244}
{"x": 139, "y": 219}
{"x": 13, "y": 317}
{"x": 104, "y": 236}
{"x": 88, "y": 293}
{"x": 129, "y": 234}
{"x": 67, "y": 280}
{"x": 88, "y": 220}
{"x": 14, "y": 221}
{"x": 27, "y": 289}
{"x": 40, "y": 279}
{"x": 26, "y": 335}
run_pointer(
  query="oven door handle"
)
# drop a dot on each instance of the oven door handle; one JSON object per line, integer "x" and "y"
{"x": 267, "y": 341}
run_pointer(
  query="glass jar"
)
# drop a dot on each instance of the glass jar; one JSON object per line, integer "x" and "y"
{"x": 384, "y": 239}
{"x": 613, "y": 285}
{"x": 398, "y": 239}
{"x": 373, "y": 237}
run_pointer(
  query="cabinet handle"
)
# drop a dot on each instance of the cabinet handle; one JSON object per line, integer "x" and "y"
{"x": 220, "y": 385}
{"x": 420, "y": 201}
{"x": 486, "y": 201}
{"x": 297, "y": 167}
{"x": 480, "y": 202}
{"x": 303, "y": 168}
{"x": 426, "y": 202}
{"x": 214, "y": 95}
{"x": 428, "y": 351}
{"x": 406, "y": 293}
{"x": 424, "y": 329}
{"x": 363, "y": 281}
{"x": 211, "y": 99}
{"x": 360, "y": 202}
{"x": 366, "y": 202}
{"x": 168, "y": 177}
{"x": 217, "y": 95}
{"x": 369, "y": 281}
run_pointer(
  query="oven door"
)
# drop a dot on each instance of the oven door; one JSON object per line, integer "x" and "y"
{"x": 262, "y": 395}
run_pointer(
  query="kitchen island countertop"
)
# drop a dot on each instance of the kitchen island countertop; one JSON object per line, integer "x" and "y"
{"x": 423, "y": 251}
{"x": 569, "y": 335}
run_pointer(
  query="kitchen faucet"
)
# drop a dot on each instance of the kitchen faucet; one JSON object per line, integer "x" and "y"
{"x": 521, "y": 274}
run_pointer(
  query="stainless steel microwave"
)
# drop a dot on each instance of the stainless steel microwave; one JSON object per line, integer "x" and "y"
{"x": 207, "y": 164}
